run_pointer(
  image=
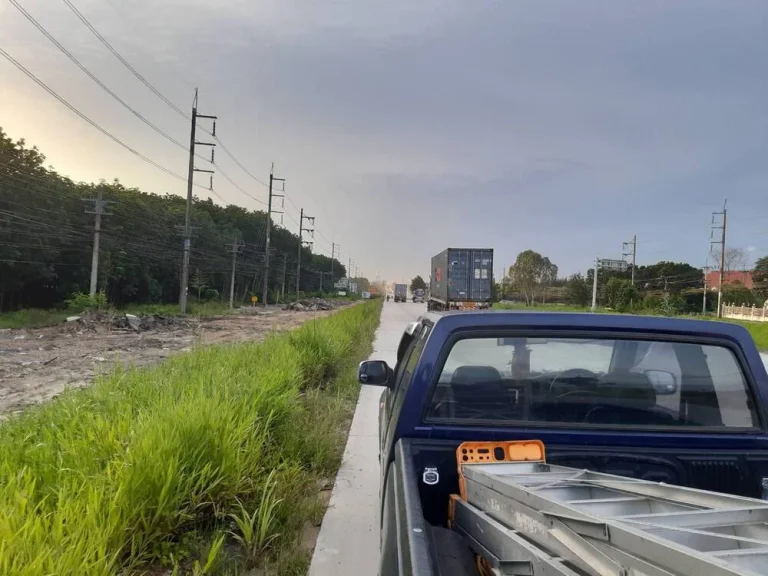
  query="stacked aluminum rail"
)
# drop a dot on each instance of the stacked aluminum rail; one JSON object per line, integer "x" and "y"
{"x": 532, "y": 518}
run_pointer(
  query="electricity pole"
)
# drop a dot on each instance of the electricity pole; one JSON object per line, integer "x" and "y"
{"x": 633, "y": 253}
{"x": 704, "y": 305}
{"x": 301, "y": 245}
{"x": 721, "y": 242}
{"x": 188, "y": 212}
{"x": 333, "y": 256}
{"x": 235, "y": 249}
{"x": 272, "y": 180}
{"x": 98, "y": 209}
{"x": 285, "y": 266}
{"x": 594, "y": 285}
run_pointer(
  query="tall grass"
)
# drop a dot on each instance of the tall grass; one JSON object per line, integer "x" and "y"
{"x": 112, "y": 478}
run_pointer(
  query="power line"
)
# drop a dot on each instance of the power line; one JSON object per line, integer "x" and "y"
{"x": 82, "y": 67}
{"x": 72, "y": 108}
{"x": 125, "y": 63}
{"x": 111, "y": 48}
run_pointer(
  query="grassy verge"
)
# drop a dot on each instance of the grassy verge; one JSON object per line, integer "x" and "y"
{"x": 206, "y": 464}
{"x": 37, "y": 318}
{"x": 758, "y": 330}
{"x": 32, "y": 318}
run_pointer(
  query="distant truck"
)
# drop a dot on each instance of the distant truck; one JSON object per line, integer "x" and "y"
{"x": 462, "y": 279}
{"x": 401, "y": 292}
{"x": 418, "y": 295}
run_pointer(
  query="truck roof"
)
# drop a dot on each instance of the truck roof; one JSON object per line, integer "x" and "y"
{"x": 623, "y": 322}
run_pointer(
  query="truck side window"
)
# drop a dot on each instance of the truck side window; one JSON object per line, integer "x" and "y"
{"x": 409, "y": 362}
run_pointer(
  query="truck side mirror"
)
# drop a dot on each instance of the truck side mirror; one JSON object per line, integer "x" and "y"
{"x": 374, "y": 373}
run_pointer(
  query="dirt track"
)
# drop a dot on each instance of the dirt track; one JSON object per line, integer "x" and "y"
{"x": 38, "y": 364}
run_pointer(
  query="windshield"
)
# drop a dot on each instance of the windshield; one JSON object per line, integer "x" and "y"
{"x": 593, "y": 381}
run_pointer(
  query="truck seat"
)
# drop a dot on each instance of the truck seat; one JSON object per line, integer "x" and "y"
{"x": 627, "y": 398}
{"x": 479, "y": 392}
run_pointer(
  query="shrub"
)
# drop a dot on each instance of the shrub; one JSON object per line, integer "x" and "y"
{"x": 80, "y": 301}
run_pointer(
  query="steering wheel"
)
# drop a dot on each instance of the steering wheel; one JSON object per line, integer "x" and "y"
{"x": 572, "y": 373}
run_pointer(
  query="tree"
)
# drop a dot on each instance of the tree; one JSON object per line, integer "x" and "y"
{"x": 577, "y": 291}
{"x": 760, "y": 271}
{"x": 547, "y": 276}
{"x": 531, "y": 271}
{"x": 45, "y": 241}
{"x": 199, "y": 282}
{"x": 619, "y": 294}
{"x": 735, "y": 259}
{"x": 418, "y": 283}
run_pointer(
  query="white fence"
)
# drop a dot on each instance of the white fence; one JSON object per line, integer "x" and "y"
{"x": 751, "y": 313}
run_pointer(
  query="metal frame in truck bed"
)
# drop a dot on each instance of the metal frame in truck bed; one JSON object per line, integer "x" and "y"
{"x": 536, "y": 518}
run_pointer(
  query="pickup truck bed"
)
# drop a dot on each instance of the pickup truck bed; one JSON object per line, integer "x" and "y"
{"x": 538, "y": 518}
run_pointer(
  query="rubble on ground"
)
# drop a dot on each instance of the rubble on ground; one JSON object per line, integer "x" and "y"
{"x": 96, "y": 321}
{"x": 312, "y": 305}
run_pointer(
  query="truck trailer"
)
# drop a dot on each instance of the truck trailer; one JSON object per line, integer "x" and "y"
{"x": 462, "y": 279}
{"x": 401, "y": 292}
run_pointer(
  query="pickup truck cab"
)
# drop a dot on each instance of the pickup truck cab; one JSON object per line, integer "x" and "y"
{"x": 660, "y": 399}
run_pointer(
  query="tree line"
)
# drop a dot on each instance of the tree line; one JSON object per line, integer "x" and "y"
{"x": 665, "y": 287}
{"x": 46, "y": 241}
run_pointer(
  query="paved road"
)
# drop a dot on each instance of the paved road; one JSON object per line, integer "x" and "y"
{"x": 349, "y": 537}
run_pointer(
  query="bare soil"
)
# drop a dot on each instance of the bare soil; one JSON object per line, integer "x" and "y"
{"x": 38, "y": 364}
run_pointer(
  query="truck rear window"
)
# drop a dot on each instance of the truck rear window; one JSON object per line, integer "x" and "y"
{"x": 595, "y": 382}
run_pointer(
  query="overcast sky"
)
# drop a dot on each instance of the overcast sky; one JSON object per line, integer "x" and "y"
{"x": 406, "y": 127}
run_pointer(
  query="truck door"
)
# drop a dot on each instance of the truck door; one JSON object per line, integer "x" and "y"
{"x": 403, "y": 373}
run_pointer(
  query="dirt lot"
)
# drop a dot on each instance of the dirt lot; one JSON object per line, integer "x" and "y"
{"x": 38, "y": 364}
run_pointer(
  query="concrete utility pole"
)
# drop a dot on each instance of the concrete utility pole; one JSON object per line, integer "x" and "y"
{"x": 285, "y": 267}
{"x": 333, "y": 256}
{"x": 188, "y": 212}
{"x": 272, "y": 180}
{"x": 594, "y": 285}
{"x": 301, "y": 245}
{"x": 722, "y": 254}
{"x": 98, "y": 209}
{"x": 633, "y": 253}
{"x": 235, "y": 250}
{"x": 704, "y": 305}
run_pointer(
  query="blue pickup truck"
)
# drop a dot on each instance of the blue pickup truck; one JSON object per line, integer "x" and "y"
{"x": 660, "y": 399}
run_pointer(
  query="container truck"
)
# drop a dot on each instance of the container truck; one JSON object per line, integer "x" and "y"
{"x": 401, "y": 292}
{"x": 418, "y": 295}
{"x": 462, "y": 279}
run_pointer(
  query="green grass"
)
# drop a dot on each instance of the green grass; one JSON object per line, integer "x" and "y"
{"x": 37, "y": 318}
{"x": 32, "y": 318}
{"x": 147, "y": 468}
{"x": 212, "y": 308}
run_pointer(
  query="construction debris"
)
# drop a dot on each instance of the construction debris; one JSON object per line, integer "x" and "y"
{"x": 98, "y": 321}
{"x": 312, "y": 305}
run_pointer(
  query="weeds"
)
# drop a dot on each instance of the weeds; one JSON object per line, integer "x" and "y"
{"x": 256, "y": 529}
{"x": 115, "y": 478}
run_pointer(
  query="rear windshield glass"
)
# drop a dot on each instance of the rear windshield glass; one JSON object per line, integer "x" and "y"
{"x": 596, "y": 382}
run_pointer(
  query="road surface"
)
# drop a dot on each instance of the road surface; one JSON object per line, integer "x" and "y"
{"x": 348, "y": 542}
